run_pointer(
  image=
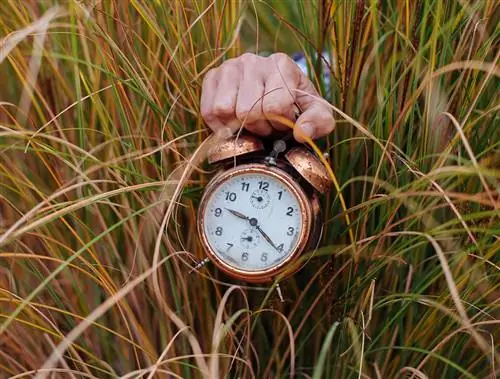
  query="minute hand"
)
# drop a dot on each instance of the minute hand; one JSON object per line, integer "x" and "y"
{"x": 266, "y": 237}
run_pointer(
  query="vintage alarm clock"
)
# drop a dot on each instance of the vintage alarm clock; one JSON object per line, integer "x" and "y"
{"x": 260, "y": 211}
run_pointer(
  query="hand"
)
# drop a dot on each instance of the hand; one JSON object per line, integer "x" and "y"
{"x": 238, "y": 214}
{"x": 244, "y": 89}
{"x": 266, "y": 237}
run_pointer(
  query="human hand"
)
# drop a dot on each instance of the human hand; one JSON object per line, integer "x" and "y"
{"x": 243, "y": 90}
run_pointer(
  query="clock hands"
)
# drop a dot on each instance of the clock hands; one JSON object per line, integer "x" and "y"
{"x": 254, "y": 222}
{"x": 266, "y": 237}
{"x": 238, "y": 214}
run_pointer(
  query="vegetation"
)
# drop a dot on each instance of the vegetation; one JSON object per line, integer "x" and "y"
{"x": 102, "y": 164}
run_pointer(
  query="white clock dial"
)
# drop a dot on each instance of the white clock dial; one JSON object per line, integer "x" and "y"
{"x": 253, "y": 221}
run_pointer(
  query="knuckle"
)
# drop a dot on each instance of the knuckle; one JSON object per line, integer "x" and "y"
{"x": 232, "y": 74}
{"x": 326, "y": 121}
{"x": 248, "y": 58}
{"x": 222, "y": 107}
{"x": 319, "y": 119}
{"x": 208, "y": 75}
{"x": 230, "y": 65}
{"x": 284, "y": 62}
{"x": 276, "y": 105}
{"x": 242, "y": 114}
{"x": 326, "y": 117}
{"x": 246, "y": 114}
{"x": 280, "y": 57}
{"x": 207, "y": 114}
{"x": 285, "y": 68}
{"x": 249, "y": 111}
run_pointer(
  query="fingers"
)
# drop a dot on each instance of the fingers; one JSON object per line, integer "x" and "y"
{"x": 208, "y": 89}
{"x": 247, "y": 91}
{"x": 250, "y": 94}
{"x": 224, "y": 102}
{"x": 279, "y": 95}
{"x": 218, "y": 96}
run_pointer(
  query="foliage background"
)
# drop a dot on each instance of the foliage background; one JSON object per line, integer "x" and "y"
{"x": 101, "y": 170}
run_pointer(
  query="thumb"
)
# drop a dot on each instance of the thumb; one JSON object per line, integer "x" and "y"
{"x": 315, "y": 122}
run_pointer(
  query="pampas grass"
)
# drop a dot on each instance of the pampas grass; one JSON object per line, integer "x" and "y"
{"x": 102, "y": 166}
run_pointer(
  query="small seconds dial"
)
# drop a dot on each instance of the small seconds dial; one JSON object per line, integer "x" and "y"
{"x": 253, "y": 221}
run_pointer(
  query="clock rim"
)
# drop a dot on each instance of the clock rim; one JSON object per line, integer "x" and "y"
{"x": 265, "y": 275}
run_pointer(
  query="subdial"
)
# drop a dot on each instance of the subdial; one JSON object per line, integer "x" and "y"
{"x": 249, "y": 239}
{"x": 260, "y": 199}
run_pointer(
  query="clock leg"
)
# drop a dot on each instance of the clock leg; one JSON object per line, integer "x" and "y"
{"x": 199, "y": 265}
{"x": 278, "y": 289}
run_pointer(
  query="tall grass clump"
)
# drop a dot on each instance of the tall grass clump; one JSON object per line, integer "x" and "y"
{"x": 102, "y": 164}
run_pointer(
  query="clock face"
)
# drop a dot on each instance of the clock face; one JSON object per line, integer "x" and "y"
{"x": 253, "y": 220}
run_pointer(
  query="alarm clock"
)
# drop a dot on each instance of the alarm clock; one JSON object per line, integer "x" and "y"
{"x": 261, "y": 209}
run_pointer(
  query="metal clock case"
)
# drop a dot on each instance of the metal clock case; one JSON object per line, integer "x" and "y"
{"x": 261, "y": 211}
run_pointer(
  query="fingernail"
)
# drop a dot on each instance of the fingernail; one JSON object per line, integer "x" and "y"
{"x": 307, "y": 130}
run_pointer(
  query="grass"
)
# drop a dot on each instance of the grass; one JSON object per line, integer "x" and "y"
{"x": 102, "y": 166}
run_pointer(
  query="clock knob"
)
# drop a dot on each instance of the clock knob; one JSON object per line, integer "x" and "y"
{"x": 310, "y": 168}
{"x": 235, "y": 146}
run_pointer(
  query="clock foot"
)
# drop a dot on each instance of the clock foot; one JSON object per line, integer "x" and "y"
{"x": 199, "y": 265}
{"x": 278, "y": 289}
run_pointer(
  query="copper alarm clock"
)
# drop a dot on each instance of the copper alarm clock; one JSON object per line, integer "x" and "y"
{"x": 260, "y": 211}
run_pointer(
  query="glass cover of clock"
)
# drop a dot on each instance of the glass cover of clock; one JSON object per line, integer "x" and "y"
{"x": 253, "y": 221}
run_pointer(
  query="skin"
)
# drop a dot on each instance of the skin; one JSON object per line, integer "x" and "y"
{"x": 243, "y": 90}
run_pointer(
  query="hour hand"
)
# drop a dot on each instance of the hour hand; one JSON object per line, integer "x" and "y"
{"x": 238, "y": 214}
